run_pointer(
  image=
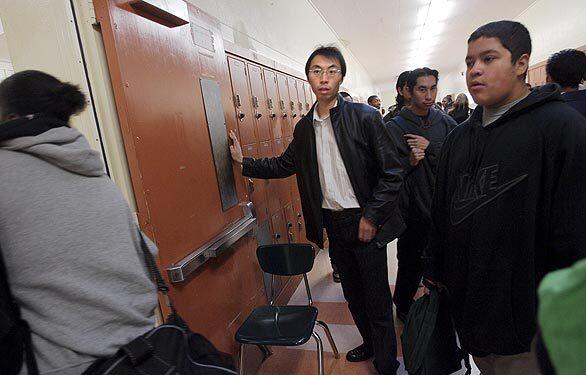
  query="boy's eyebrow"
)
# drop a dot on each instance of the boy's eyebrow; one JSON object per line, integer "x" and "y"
{"x": 468, "y": 57}
{"x": 488, "y": 51}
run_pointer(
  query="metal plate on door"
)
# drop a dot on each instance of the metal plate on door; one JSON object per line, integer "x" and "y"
{"x": 214, "y": 111}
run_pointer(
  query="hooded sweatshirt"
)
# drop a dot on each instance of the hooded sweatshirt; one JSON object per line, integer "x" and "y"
{"x": 72, "y": 251}
{"x": 508, "y": 208}
{"x": 417, "y": 190}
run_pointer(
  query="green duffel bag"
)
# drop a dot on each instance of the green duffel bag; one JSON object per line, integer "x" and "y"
{"x": 429, "y": 339}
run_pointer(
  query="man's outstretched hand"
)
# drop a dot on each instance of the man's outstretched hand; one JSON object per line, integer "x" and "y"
{"x": 235, "y": 149}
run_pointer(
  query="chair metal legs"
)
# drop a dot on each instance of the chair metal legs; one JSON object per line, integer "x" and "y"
{"x": 320, "y": 353}
{"x": 241, "y": 367}
{"x": 330, "y": 338}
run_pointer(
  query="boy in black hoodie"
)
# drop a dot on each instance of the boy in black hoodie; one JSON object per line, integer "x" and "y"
{"x": 509, "y": 201}
{"x": 419, "y": 131}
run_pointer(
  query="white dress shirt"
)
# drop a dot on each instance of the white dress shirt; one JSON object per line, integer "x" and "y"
{"x": 337, "y": 192}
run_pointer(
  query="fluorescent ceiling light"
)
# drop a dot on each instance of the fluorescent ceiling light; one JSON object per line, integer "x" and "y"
{"x": 439, "y": 10}
{"x": 430, "y": 22}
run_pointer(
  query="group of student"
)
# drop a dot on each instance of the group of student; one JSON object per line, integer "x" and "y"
{"x": 486, "y": 209}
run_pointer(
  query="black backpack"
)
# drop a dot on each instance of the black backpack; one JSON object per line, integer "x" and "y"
{"x": 15, "y": 334}
{"x": 170, "y": 348}
{"x": 429, "y": 338}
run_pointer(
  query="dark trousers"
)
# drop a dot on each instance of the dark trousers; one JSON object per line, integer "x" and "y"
{"x": 410, "y": 247}
{"x": 364, "y": 275}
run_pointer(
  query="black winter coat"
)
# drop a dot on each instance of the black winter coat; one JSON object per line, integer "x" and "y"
{"x": 419, "y": 180}
{"x": 460, "y": 114}
{"x": 508, "y": 208}
{"x": 370, "y": 158}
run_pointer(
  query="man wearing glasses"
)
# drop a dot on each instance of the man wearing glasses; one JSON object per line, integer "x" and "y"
{"x": 349, "y": 179}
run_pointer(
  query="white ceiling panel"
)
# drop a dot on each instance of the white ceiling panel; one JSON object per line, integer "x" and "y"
{"x": 390, "y": 36}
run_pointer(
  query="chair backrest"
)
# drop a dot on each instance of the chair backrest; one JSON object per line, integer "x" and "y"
{"x": 286, "y": 259}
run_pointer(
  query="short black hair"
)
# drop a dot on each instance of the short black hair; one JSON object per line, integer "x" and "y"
{"x": 327, "y": 51}
{"x": 420, "y": 72}
{"x": 567, "y": 68}
{"x": 511, "y": 34}
{"x": 371, "y": 98}
{"x": 34, "y": 92}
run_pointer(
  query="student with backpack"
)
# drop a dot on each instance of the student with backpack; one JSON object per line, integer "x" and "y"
{"x": 419, "y": 131}
{"x": 71, "y": 248}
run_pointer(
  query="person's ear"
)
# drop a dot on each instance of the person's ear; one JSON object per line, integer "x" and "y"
{"x": 522, "y": 65}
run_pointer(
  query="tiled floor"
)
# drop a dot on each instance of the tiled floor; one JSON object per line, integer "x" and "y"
{"x": 329, "y": 300}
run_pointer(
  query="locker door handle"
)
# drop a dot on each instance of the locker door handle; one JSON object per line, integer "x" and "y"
{"x": 284, "y": 115}
{"x": 289, "y": 233}
{"x": 277, "y": 236}
{"x": 241, "y": 115}
{"x": 258, "y": 115}
{"x": 294, "y": 115}
{"x": 272, "y": 115}
{"x": 251, "y": 186}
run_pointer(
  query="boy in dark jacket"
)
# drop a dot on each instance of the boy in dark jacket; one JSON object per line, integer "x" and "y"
{"x": 419, "y": 132}
{"x": 567, "y": 68}
{"x": 509, "y": 202}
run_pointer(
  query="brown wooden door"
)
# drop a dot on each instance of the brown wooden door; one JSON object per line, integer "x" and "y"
{"x": 282, "y": 183}
{"x": 308, "y": 97}
{"x": 291, "y": 224}
{"x": 259, "y": 102}
{"x": 301, "y": 103}
{"x": 279, "y": 233}
{"x": 242, "y": 101}
{"x": 300, "y": 223}
{"x": 155, "y": 71}
{"x": 274, "y": 204}
{"x": 293, "y": 101}
{"x": 274, "y": 111}
{"x": 284, "y": 105}
{"x": 278, "y": 227}
{"x": 257, "y": 187}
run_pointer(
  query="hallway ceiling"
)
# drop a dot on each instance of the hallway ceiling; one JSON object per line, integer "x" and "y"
{"x": 390, "y": 36}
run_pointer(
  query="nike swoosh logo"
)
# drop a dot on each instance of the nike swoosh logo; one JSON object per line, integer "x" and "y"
{"x": 462, "y": 210}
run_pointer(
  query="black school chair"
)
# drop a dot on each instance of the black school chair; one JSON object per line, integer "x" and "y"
{"x": 284, "y": 325}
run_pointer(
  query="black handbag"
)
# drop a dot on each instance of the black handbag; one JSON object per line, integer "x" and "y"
{"x": 170, "y": 348}
{"x": 15, "y": 334}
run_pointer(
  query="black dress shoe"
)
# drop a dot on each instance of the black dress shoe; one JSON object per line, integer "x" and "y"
{"x": 359, "y": 354}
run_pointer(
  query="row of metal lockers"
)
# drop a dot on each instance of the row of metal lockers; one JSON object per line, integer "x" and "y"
{"x": 268, "y": 105}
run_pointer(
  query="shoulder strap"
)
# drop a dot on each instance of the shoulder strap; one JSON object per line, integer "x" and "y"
{"x": 12, "y": 321}
{"x": 154, "y": 272}
{"x": 401, "y": 122}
